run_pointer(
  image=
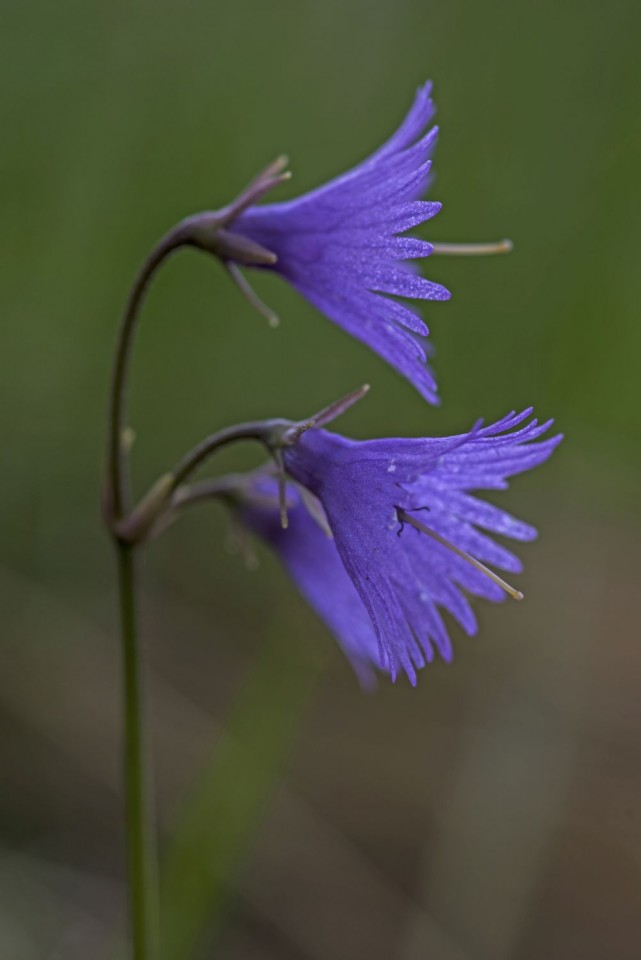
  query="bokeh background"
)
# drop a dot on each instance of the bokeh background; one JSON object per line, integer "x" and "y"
{"x": 493, "y": 812}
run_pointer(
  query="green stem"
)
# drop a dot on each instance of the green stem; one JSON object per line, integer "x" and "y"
{"x": 134, "y": 527}
{"x": 117, "y": 491}
{"x": 262, "y": 431}
{"x": 141, "y": 847}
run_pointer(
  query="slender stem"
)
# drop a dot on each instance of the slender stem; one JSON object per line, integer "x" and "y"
{"x": 117, "y": 490}
{"x": 260, "y": 430}
{"x": 228, "y": 488}
{"x": 158, "y": 500}
{"x": 141, "y": 848}
{"x": 219, "y": 488}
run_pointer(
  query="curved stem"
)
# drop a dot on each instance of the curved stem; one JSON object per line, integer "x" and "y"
{"x": 219, "y": 488}
{"x": 141, "y": 847}
{"x": 137, "y": 523}
{"x": 117, "y": 486}
{"x": 260, "y": 430}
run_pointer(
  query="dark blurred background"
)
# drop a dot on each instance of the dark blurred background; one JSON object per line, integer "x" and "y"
{"x": 493, "y": 812}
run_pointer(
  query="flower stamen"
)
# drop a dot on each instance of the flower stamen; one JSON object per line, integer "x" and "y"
{"x": 473, "y": 249}
{"x": 405, "y": 517}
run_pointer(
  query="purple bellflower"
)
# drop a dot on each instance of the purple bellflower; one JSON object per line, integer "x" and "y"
{"x": 410, "y": 536}
{"x": 339, "y": 245}
{"x": 309, "y": 556}
{"x": 342, "y": 246}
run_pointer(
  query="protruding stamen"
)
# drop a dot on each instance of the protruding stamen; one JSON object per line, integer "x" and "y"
{"x": 250, "y": 294}
{"x": 405, "y": 517}
{"x": 473, "y": 249}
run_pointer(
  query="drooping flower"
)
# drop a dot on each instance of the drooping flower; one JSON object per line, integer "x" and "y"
{"x": 310, "y": 557}
{"x": 340, "y": 245}
{"x": 344, "y": 246}
{"x": 410, "y": 536}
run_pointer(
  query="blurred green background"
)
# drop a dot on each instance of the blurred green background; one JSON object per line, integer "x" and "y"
{"x": 493, "y": 812}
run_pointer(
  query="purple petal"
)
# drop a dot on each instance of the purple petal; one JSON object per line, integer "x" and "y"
{"x": 338, "y": 245}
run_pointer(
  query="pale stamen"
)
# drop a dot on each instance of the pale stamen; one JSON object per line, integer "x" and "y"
{"x": 473, "y": 249}
{"x": 494, "y": 577}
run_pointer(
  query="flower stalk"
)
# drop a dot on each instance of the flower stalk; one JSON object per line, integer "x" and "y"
{"x": 129, "y": 527}
{"x": 140, "y": 834}
{"x": 330, "y": 507}
{"x": 203, "y": 231}
{"x": 141, "y": 841}
{"x": 117, "y": 486}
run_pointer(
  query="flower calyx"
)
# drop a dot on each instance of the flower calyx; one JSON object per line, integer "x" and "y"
{"x": 336, "y": 409}
{"x": 212, "y": 231}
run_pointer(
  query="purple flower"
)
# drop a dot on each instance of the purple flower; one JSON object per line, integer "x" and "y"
{"x": 340, "y": 245}
{"x": 310, "y": 557}
{"x": 409, "y": 534}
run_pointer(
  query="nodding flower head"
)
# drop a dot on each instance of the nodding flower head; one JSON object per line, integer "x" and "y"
{"x": 343, "y": 246}
{"x": 308, "y": 553}
{"x": 383, "y": 535}
{"x": 340, "y": 245}
{"x": 410, "y": 536}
